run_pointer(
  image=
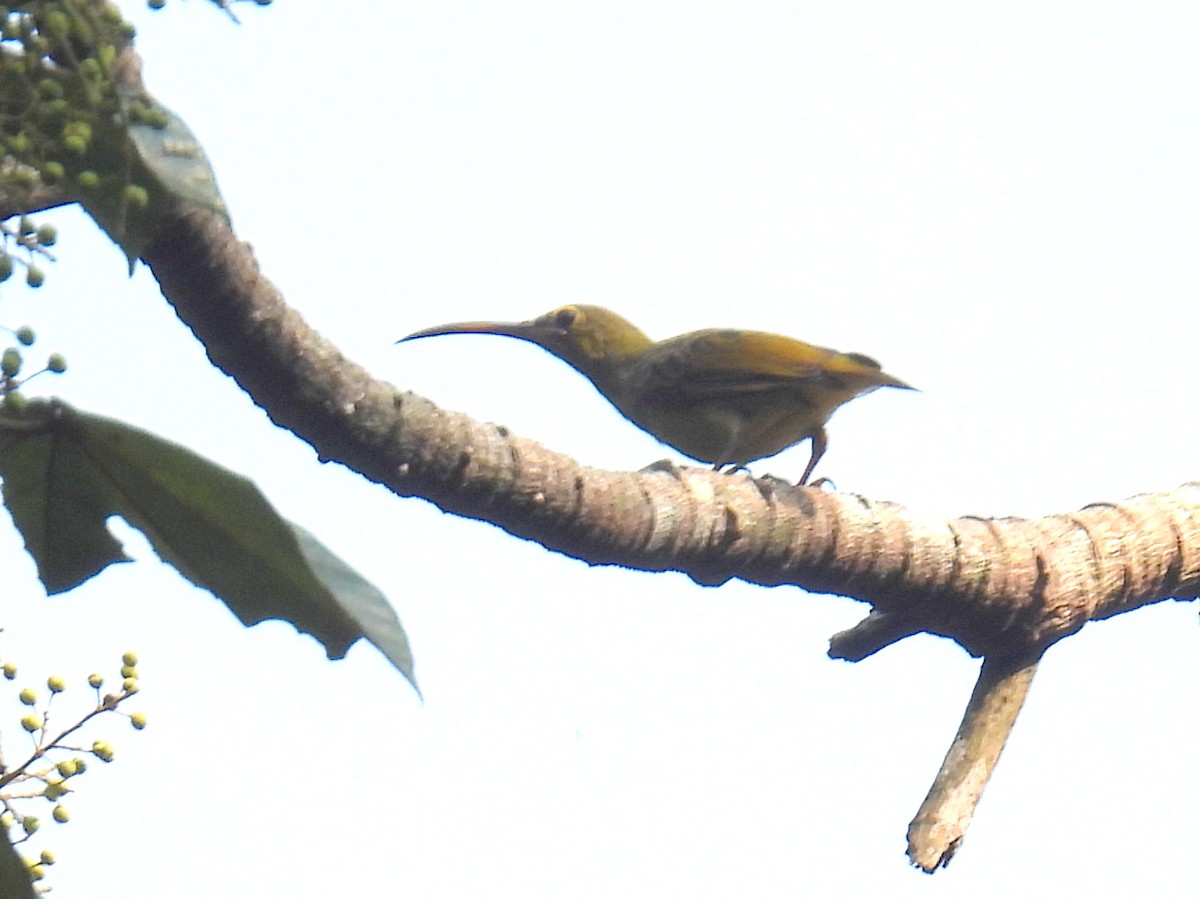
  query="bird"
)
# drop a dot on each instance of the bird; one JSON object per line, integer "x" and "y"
{"x": 721, "y": 396}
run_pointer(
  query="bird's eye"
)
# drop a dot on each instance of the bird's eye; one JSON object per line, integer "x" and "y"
{"x": 565, "y": 317}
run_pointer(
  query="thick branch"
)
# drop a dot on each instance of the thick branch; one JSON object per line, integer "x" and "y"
{"x": 998, "y": 587}
{"x": 993, "y": 585}
{"x": 1005, "y": 589}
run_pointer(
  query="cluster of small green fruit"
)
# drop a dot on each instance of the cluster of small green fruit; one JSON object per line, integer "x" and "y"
{"x": 35, "y": 240}
{"x": 61, "y": 119}
{"x": 12, "y": 361}
{"x": 43, "y": 778}
{"x": 57, "y": 89}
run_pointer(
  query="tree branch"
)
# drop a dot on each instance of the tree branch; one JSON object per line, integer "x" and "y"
{"x": 1003, "y": 588}
{"x": 937, "y": 831}
{"x": 995, "y": 585}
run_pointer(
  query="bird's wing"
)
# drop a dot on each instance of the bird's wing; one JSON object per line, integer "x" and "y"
{"x": 709, "y": 364}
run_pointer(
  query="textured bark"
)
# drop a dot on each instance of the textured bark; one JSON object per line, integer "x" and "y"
{"x": 997, "y": 586}
{"x": 1005, "y": 589}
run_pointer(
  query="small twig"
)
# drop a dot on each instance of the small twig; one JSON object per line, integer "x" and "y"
{"x": 938, "y": 829}
{"x": 877, "y": 631}
{"x": 43, "y": 748}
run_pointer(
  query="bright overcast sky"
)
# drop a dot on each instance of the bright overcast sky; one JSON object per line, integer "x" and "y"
{"x": 998, "y": 201}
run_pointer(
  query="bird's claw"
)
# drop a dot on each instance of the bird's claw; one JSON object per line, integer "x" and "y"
{"x": 825, "y": 484}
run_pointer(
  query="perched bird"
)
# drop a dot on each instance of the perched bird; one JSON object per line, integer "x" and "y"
{"x": 720, "y": 396}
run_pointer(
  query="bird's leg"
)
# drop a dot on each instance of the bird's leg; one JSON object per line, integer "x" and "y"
{"x": 819, "y": 443}
{"x": 727, "y": 465}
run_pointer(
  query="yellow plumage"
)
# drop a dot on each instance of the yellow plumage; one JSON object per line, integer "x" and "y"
{"x": 721, "y": 396}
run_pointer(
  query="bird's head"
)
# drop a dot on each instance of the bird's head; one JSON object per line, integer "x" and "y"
{"x": 592, "y": 339}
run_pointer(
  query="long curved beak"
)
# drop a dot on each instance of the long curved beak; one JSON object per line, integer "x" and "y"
{"x": 530, "y": 331}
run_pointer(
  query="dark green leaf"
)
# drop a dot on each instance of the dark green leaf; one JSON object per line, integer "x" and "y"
{"x": 14, "y": 876}
{"x": 57, "y": 506}
{"x": 362, "y": 603}
{"x": 65, "y": 472}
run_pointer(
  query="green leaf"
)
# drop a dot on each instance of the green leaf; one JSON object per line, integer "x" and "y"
{"x": 174, "y": 157}
{"x": 14, "y": 876}
{"x": 59, "y": 512}
{"x": 65, "y": 472}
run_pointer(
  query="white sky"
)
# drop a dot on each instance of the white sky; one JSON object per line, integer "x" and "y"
{"x": 1001, "y": 203}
